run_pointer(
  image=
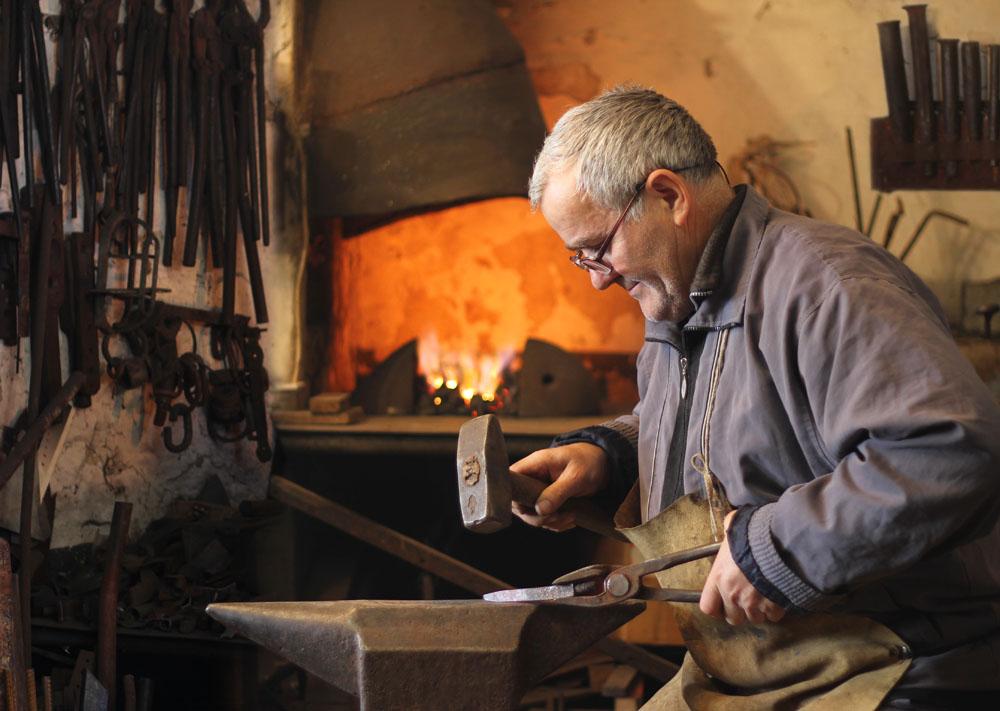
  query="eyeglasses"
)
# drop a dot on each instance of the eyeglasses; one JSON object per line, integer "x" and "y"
{"x": 595, "y": 263}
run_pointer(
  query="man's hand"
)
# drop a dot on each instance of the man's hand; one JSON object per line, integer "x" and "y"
{"x": 578, "y": 469}
{"x": 729, "y": 595}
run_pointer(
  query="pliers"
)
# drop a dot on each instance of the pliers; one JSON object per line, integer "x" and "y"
{"x": 601, "y": 585}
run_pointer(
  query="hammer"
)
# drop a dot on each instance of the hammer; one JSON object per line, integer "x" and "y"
{"x": 486, "y": 486}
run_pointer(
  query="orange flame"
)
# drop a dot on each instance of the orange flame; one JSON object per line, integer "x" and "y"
{"x": 469, "y": 373}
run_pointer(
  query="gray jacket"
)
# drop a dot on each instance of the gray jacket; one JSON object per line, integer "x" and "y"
{"x": 858, "y": 443}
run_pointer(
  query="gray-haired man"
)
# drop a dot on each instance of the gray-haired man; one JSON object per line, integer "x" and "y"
{"x": 812, "y": 369}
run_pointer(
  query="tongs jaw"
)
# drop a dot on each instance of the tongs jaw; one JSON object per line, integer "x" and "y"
{"x": 601, "y": 585}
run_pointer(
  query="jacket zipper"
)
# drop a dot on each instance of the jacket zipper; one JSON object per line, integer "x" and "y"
{"x": 690, "y": 354}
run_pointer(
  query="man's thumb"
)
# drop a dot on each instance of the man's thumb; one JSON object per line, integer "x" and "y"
{"x": 554, "y": 496}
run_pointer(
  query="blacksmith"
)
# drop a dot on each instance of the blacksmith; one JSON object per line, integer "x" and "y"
{"x": 808, "y": 376}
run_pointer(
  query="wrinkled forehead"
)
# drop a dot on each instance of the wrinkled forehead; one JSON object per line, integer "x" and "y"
{"x": 569, "y": 212}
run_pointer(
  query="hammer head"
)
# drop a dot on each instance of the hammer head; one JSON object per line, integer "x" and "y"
{"x": 484, "y": 490}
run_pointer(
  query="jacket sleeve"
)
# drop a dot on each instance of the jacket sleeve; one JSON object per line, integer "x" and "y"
{"x": 911, "y": 435}
{"x": 619, "y": 438}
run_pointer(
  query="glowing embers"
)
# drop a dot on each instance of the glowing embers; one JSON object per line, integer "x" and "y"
{"x": 543, "y": 381}
{"x": 463, "y": 382}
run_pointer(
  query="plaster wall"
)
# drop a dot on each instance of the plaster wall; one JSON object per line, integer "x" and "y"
{"x": 795, "y": 70}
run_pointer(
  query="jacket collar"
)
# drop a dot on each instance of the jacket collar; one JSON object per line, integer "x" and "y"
{"x": 719, "y": 287}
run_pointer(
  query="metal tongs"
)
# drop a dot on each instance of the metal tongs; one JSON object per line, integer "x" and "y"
{"x": 601, "y": 585}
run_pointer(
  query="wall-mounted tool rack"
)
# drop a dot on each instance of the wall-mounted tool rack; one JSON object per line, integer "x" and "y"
{"x": 944, "y": 144}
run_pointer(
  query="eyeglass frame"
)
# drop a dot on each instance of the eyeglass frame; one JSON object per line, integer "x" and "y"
{"x": 595, "y": 263}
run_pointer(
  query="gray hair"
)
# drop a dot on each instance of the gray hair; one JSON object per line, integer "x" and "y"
{"x": 616, "y": 140}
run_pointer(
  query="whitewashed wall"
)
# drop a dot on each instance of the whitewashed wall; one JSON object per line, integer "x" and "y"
{"x": 797, "y": 70}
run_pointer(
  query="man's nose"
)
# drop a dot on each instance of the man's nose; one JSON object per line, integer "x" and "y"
{"x": 602, "y": 281}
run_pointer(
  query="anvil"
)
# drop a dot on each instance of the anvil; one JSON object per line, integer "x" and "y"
{"x": 415, "y": 655}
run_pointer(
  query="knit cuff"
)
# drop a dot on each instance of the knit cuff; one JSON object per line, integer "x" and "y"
{"x": 622, "y": 453}
{"x": 754, "y": 550}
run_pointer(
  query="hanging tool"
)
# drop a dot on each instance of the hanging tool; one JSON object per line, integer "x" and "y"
{"x": 957, "y": 219}
{"x": 178, "y": 117}
{"x": 894, "y": 73}
{"x": 921, "y": 52}
{"x": 948, "y": 49}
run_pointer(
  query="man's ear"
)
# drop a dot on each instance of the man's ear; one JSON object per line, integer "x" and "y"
{"x": 673, "y": 190}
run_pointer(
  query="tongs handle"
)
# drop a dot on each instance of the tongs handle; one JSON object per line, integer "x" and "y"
{"x": 626, "y": 582}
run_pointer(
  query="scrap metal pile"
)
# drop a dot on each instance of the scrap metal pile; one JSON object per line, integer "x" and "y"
{"x": 193, "y": 556}
{"x": 198, "y": 554}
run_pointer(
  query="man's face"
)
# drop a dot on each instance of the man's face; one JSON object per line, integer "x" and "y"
{"x": 653, "y": 258}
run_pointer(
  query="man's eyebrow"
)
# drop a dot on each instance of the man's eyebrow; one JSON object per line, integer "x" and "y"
{"x": 587, "y": 241}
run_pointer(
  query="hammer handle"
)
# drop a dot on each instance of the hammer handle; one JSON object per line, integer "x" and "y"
{"x": 525, "y": 491}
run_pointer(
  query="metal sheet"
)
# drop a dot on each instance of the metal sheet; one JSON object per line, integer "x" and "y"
{"x": 548, "y": 592}
{"x": 554, "y": 383}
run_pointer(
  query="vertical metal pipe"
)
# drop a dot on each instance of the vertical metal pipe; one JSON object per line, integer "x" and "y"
{"x": 972, "y": 90}
{"x": 949, "y": 97}
{"x": 47, "y": 232}
{"x": 923, "y": 96}
{"x": 32, "y": 690}
{"x": 11, "y": 647}
{"x": 144, "y": 695}
{"x": 993, "y": 97}
{"x": 128, "y": 687}
{"x": 894, "y": 72}
{"x": 107, "y": 615}
{"x": 855, "y": 191}
{"x": 871, "y": 218}
{"x": 27, "y": 100}
{"x": 9, "y": 691}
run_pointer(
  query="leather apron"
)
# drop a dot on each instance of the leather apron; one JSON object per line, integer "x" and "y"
{"x": 814, "y": 661}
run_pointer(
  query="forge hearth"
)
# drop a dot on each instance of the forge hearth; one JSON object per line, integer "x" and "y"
{"x": 543, "y": 381}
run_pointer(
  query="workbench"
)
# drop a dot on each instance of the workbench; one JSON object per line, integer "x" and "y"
{"x": 426, "y": 435}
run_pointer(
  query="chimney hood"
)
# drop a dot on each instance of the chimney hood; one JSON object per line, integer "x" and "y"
{"x": 413, "y": 106}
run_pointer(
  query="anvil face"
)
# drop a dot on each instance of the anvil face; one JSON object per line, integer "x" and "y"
{"x": 425, "y": 654}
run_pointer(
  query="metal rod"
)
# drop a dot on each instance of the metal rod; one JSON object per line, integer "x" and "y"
{"x": 11, "y": 649}
{"x": 144, "y": 695}
{"x": 33, "y": 435}
{"x": 51, "y": 219}
{"x": 32, "y": 690}
{"x": 128, "y": 687}
{"x": 855, "y": 191}
{"x": 923, "y": 96}
{"x": 890, "y": 228}
{"x": 972, "y": 90}
{"x": 923, "y": 223}
{"x": 949, "y": 97}
{"x": 107, "y": 615}
{"x": 993, "y": 96}
{"x": 871, "y": 219}
{"x": 27, "y": 100}
{"x": 894, "y": 72}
